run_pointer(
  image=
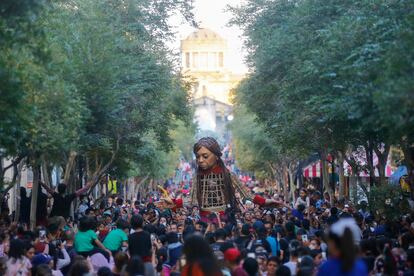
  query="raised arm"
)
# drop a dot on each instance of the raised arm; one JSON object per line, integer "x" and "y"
{"x": 247, "y": 195}
{"x": 83, "y": 189}
{"x": 47, "y": 188}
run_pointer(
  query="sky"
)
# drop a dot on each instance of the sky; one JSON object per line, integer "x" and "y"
{"x": 211, "y": 14}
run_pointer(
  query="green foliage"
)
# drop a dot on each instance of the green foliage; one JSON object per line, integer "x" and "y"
{"x": 387, "y": 202}
{"x": 93, "y": 78}
{"x": 254, "y": 148}
{"x": 329, "y": 74}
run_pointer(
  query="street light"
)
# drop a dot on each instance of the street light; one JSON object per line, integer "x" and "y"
{"x": 230, "y": 117}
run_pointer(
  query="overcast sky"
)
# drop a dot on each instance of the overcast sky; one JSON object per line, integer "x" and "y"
{"x": 211, "y": 14}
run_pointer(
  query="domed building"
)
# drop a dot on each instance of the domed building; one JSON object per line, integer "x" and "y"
{"x": 204, "y": 54}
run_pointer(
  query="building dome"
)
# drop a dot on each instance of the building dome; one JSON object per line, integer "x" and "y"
{"x": 204, "y": 34}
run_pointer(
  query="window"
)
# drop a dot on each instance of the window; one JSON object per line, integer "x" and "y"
{"x": 203, "y": 60}
{"x": 187, "y": 60}
{"x": 221, "y": 59}
{"x": 195, "y": 59}
{"x": 212, "y": 62}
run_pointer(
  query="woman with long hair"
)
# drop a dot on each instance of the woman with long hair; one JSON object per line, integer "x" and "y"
{"x": 18, "y": 263}
{"x": 199, "y": 257}
{"x": 343, "y": 240}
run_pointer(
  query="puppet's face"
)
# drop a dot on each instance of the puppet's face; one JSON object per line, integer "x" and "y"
{"x": 205, "y": 159}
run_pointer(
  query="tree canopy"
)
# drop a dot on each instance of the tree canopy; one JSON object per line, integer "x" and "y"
{"x": 91, "y": 83}
{"x": 329, "y": 75}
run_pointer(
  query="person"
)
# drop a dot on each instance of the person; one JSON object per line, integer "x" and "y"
{"x": 41, "y": 208}
{"x": 24, "y": 214}
{"x": 86, "y": 239}
{"x": 174, "y": 250}
{"x": 272, "y": 265}
{"x": 251, "y": 266}
{"x": 214, "y": 187}
{"x": 363, "y": 210}
{"x": 62, "y": 202}
{"x": 220, "y": 244}
{"x": 121, "y": 261}
{"x": 294, "y": 257}
{"x": 232, "y": 258}
{"x": 80, "y": 266}
{"x": 18, "y": 263}
{"x": 140, "y": 244}
{"x": 117, "y": 238}
{"x": 343, "y": 237}
{"x": 200, "y": 259}
{"x": 135, "y": 267}
{"x": 302, "y": 199}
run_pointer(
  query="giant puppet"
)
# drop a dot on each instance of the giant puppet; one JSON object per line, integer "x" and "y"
{"x": 214, "y": 187}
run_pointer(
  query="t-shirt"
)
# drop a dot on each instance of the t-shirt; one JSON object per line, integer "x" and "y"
{"x": 139, "y": 243}
{"x": 333, "y": 267}
{"x": 114, "y": 239}
{"x": 296, "y": 213}
{"x": 61, "y": 205}
{"x": 19, "y": 266}
{"x": 84, "y": 241}
{"x": 292, "y": 267}
{"x": 274, "y": 245}
{"x": 219, "y": 248}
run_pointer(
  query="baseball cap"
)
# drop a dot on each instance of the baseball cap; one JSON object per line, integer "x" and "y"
{"x": 41, "y": 259}
{"x": 231, "y": 254}
{"x": 107, "y": 213}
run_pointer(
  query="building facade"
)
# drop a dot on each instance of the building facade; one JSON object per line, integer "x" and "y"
{"x": 204, "y": 60}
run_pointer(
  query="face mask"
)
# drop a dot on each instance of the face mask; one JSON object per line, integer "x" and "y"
{"x": 312, "y": 247}
{"x": 163, "y": 224}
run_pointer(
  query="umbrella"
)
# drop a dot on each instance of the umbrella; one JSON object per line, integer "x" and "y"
{"x": 395, "y": 177}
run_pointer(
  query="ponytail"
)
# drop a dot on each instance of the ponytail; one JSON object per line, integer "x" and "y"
{"x": 346, "y": 247}
{"x": 348, "y": 250}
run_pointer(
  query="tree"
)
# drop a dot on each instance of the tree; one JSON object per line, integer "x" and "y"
{"x": 317, "y": 74}
{"x": 87, "y": 86}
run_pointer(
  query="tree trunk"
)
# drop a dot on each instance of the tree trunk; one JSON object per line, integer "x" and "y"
{"x": 369, "y": 152}
{"x": 17, "y": 193}
{"x": 325, "y": 175}
{"x": 382, "y": 161}
{"x": 69, "y": 168}
{"x": 286, "y": 184}
{"x": 35, "y": 191}
{"x": 341, "y": 175}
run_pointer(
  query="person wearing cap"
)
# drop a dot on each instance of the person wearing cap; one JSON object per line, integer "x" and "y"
{"x": 232, "y": 258}
{"x": 42, "y": 258}
{"x": 343, "y": 240}
{"x": 214, "y": 186}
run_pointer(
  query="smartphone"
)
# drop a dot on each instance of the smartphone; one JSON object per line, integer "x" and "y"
{"x": 42, "y": 235}
{"x": 251, "y": 255}
{"x": 305, "y": 238}
{"x": 152, "y": 238}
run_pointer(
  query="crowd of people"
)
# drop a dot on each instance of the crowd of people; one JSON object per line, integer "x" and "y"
{"x": 123, "y": 237}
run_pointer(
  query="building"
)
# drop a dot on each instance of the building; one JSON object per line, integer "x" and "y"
{"x": 204, "y": 54}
